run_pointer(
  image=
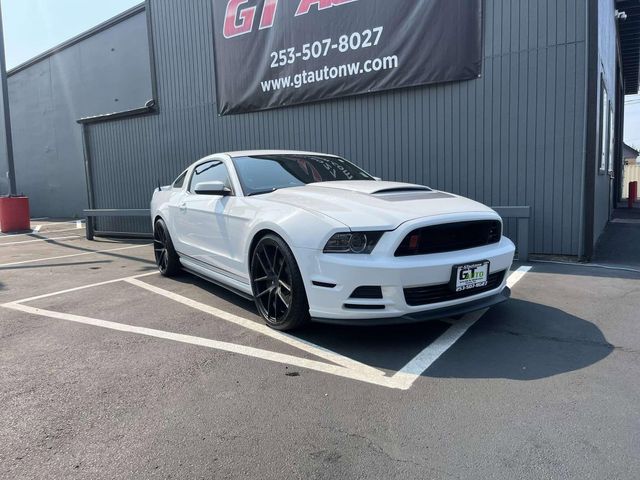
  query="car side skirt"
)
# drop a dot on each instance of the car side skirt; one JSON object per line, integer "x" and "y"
{"x": 201, "y": 270}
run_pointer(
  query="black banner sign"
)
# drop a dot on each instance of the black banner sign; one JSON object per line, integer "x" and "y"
{"x": 273, "y": 53}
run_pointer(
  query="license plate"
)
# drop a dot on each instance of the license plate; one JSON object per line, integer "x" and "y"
{"x": 470, "y": 276}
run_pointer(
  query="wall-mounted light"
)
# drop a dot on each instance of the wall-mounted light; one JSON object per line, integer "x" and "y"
{"x": 621, "y": 15}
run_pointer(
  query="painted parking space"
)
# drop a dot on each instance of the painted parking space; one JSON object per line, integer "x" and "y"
{"x": 334, "y": 363}
{"x": 393, "y": 357}
{"x": 58, "y": 249}
{"x": 38, "y": 268}
{"x": 91, "y": 343}
{"x": 406, "y": 366}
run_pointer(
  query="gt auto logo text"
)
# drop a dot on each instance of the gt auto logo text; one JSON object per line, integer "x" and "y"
{"x": 239, "y": 21}
{"x": 470, "y": 274}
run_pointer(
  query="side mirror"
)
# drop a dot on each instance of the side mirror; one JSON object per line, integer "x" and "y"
{"x": 212, "y": 188}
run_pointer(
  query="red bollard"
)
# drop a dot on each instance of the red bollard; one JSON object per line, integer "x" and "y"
{"x": 14, "y": 214}
{"x": 633, "y": 193}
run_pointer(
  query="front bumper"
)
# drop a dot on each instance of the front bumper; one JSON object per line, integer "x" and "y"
{"x": 427, "y": 315}
{"x": 330, "y": 280}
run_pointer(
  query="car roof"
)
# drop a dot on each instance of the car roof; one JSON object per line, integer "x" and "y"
{"x": 253, "y": 153}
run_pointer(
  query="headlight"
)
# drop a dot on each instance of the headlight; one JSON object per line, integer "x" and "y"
{"x": 356, "y": 242}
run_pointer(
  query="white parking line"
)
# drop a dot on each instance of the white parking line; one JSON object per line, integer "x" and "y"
{"x": 341, "y": 366}
{"x": 59, "y": 222}
{"x": 421, "y": 362}
{"x": 516, "y": 276}
{"x": 36, "y": 260}
{"x": 40, "y": 240}
{"x": 65, "y": 223}
{"x": 205, "y": 342}
{"x": 13, "y": 235}
{"x": 82, "y": 287}
{"x": 260, "y": 328}
{"x": 416, "y": 367}
{"x": 246, "y": 323}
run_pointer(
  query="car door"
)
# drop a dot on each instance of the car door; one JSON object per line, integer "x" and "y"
{"x": 176, "y": 198}
{"x": 201, "y": 219}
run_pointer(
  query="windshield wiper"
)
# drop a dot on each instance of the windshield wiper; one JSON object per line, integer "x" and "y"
{"x": 262, "y": 192}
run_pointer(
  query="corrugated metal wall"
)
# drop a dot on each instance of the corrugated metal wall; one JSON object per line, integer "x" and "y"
{"x": 607, "y": 54}
{"x": 105, "y": 72}
{"x": 513, "y": 137}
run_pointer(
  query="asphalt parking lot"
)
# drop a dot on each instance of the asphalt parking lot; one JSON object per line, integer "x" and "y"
{"x": 108, "y": 370}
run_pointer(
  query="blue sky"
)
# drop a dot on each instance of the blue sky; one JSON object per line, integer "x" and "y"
{"x": 33, "y": 26}
{"x": 632, "y": 121}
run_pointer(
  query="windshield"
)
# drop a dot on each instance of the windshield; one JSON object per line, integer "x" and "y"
{"x": 262, "y": 174}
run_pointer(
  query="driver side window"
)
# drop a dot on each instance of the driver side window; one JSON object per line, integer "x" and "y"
{"x": 213, "y": 171}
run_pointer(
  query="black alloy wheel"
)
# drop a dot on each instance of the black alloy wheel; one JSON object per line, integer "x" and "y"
{"x": 277, "y": 285}
{"x": 166, "y": 256}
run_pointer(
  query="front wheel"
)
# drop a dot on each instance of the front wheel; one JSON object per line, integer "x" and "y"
{"x": 277, "y": 285}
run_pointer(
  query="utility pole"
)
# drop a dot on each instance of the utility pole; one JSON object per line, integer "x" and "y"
{"x": 14, "y": 209}
{"x": 7, "y": 113}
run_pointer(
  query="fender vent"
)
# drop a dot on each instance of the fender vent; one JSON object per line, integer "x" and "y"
{"x": 324, "y": 285}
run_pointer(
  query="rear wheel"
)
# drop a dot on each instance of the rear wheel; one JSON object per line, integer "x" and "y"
{"x": 166, "y": 257}
{"x": 277, "y": 285}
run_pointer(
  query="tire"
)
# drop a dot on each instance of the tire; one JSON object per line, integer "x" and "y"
{"x": 277, "y": 285}
{"x": 167, "y": 258}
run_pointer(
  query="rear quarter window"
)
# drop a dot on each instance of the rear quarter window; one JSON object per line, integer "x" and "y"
{"x": 179, "y": 182}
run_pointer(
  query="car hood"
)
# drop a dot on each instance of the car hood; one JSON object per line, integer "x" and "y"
{"x": 362, "y": 205}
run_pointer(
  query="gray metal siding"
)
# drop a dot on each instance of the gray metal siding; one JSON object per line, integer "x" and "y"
{"x": 103, "y": 73}
{"x": 607, "y": 52}
{"x": 513, "y": 137}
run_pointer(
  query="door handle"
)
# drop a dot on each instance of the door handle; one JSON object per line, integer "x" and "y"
{"x": 183, "y": 207}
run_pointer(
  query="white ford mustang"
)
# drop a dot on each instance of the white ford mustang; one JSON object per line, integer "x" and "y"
{"x": 311, "y": 236}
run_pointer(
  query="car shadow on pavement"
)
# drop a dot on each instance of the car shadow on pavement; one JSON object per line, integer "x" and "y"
{"x": 517, "y": 340}
{"x": 219, "y": 293}
{"x": 521, "y": 340}
{"x": 389, "y": 348}
{"x": 386, "y": 347}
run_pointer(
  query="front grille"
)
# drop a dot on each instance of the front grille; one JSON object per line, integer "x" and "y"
{"x": 443, "y": 293}
{"x": 450, "y": 237}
